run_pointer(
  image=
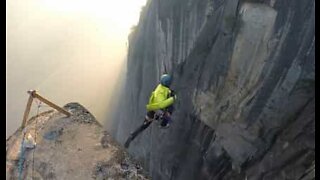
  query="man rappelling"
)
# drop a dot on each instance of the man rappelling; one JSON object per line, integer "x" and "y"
{"x": 160, "y": 107}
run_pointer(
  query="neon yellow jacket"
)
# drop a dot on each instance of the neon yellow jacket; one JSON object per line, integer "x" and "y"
{"x": 159, "y": 98}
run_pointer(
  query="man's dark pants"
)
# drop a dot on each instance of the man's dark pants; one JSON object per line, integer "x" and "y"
{"x": 151, "y": 114}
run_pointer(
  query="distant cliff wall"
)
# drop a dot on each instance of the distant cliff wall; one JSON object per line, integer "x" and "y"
{"x": 244, "y": 73}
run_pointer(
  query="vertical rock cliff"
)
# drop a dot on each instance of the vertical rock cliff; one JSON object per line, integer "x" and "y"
{"x": 244, "y": 74}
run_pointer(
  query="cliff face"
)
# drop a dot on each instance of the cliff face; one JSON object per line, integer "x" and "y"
{"x": 244, "y": 74}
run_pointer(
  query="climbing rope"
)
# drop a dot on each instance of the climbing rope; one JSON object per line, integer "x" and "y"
{"x": 21, "y": 158}
{"x": 23, "y": 148}
{"x": 35, "y": 138}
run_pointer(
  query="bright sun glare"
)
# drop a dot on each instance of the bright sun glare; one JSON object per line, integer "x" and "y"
{"x": 122, "y": 13}
{"x": 56, "y": 45}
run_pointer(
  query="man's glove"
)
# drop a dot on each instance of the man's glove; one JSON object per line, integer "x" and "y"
{"x": 173, "y": 94}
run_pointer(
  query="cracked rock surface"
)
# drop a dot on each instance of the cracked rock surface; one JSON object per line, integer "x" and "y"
{"x": 74, "y": 147}
{"x": 244, "y": 74}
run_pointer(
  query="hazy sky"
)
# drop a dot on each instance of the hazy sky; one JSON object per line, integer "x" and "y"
{"x": 69, "y": 50}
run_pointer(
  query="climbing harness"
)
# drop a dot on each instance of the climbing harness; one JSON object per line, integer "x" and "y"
{"x": 158, "y": 117}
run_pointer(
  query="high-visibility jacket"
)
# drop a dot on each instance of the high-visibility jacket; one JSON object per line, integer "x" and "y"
{"x": 159, "y": 98}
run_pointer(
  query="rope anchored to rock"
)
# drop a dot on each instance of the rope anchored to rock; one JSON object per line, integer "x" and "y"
{"x": 35, "y": 138}
{"x": 27, "y": 142}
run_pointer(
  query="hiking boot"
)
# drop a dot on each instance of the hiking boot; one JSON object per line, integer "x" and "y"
{"x": 130, "y": 138}
{"x": 126, "y": 145}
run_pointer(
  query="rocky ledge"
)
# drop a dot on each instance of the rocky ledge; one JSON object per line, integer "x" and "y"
{"x": 75, "y": 147}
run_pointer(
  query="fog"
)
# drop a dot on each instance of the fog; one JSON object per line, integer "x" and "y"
{"x": 68, "y": 50}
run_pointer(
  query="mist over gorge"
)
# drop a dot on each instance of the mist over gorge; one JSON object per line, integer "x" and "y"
{"x": 70, "y": 51}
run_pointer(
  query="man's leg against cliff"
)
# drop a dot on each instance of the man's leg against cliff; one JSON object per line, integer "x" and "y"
{"x": 170, "y": 109}
{"x": 167, "y": 116}
{"x": 133, "y": 135}
{"x": 144, "y": 126}
{"x": 146, "y": 123}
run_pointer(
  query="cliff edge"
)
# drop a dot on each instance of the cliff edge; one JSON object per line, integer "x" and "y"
{"x": 67, "y": 148}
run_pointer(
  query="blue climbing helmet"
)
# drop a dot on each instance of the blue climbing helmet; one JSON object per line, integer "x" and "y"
{"x": 166, "y": 80}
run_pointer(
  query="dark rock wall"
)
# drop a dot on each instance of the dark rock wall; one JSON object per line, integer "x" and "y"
{"x": 244, "y": 74}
